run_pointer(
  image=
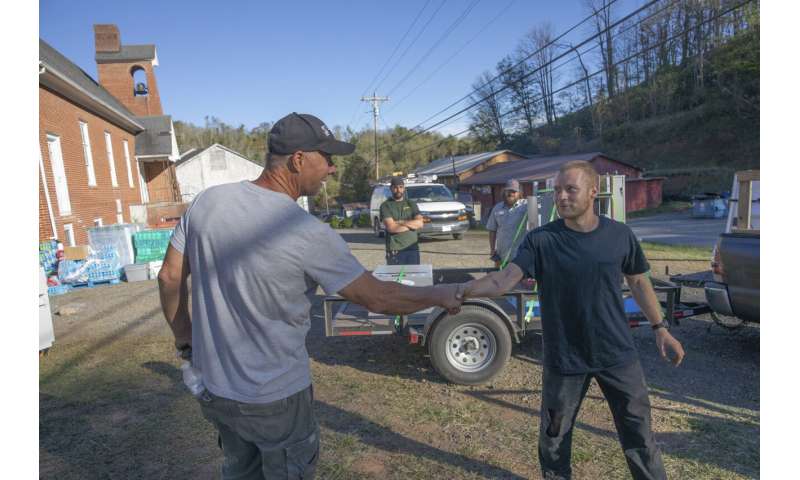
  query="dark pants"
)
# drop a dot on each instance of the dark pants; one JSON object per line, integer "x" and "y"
{"x": 626, "y": 393}
{"x": 409, "y": 256}
{"x": 277, "y": 440}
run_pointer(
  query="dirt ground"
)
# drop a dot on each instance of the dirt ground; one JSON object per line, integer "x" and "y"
{"x": 112, "y": 404}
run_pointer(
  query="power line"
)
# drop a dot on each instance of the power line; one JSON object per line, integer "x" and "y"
{"x": 454, "y": 55}
{"x": 396, "y": 47}
{"x": 503, "y": 92}
{"x": 424, "y": 27}
{"x": 586, "y": 77}
{"x": 436, "y": 44}
{"x": 553, "y": 42}
{"x": 558, "y": 57}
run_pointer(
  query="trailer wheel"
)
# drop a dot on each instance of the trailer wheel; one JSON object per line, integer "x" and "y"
{"x": 457, "y": 236}
{"x": 376, "y": 228}
{"x": 471, "y": 347}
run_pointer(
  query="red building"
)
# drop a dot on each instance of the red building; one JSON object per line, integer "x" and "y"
{"x": 487, "y": 185}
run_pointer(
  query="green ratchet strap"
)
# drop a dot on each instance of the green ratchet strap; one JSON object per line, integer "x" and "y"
{"x": 529, "y": 311}
{"x": 399, "y": 280}
{"x": 516, "y": 236}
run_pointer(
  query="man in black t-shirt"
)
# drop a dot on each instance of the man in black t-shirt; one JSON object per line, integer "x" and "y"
{"x": 579, "y": 262}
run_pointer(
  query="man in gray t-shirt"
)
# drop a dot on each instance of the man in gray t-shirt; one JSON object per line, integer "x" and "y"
{"x": 256, "y": 259}
{"x": 505, "y": 233}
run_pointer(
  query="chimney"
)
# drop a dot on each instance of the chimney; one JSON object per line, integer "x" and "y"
{"x": 106, "y": 38}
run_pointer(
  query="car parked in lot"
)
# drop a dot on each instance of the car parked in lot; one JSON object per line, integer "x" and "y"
{"x": 441, "y": 212}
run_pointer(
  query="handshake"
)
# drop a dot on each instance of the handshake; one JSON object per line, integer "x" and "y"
{"x": 450, "y": 296}
{"x": 495, "y": 284}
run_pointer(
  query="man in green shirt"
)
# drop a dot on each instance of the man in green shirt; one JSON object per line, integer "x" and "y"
{"x": 402, "y": 219}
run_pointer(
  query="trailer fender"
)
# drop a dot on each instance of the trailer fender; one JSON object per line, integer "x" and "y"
{"x": 439, "y": 312}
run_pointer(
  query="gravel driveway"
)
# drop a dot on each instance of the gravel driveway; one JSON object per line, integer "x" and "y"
{"x": 111, "y": 402}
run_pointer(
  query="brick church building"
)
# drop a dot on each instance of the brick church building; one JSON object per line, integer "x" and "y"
{"x": 107, "y": 150}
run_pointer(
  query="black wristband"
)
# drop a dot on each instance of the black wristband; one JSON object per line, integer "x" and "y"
{"x": 658, "y": 325}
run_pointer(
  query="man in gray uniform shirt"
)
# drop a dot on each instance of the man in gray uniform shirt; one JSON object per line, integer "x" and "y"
{"x": 504, "y": 222}
{"x": 256, "y": 259}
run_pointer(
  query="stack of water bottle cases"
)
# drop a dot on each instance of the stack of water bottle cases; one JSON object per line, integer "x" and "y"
{"x": 111, "y": 248}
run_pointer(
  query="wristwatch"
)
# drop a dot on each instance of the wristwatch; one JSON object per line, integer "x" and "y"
{"x": 660, "y": 324}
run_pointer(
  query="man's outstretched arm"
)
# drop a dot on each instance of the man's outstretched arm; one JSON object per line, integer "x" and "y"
{"x": 494, "y": 284}
{"x": 379, "y": 296}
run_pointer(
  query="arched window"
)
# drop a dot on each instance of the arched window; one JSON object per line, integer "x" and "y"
{"x": 139, "y": 81}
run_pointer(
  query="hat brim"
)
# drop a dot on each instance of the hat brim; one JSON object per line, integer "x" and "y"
{"x": 336, "y": 147}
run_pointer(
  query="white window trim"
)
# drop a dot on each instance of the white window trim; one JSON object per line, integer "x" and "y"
{"x": 145, "y": 196}
{"x": 120, "y": 218}
{"x": 110, "y": 156}
{"x": 87, "y": 153}
{"x": 69, "y": 235}
{"x": 64, "y": 204}
{"x": 127, "y": 154}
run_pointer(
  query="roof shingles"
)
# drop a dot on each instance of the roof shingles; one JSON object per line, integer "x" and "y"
{"x": 533, "y": 168}
{"x": 157, "y": 137}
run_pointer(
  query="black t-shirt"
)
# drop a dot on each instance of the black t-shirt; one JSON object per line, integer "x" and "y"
{"x": 580, "y": 292}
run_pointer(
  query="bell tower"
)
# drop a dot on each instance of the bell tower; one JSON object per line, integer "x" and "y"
{"x": 127, "y": 71}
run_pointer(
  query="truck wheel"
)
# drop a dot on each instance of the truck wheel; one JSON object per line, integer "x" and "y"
{"x": 470, "y": 348}
{"x": 376, "y": 228}
{"x": 457, "y": 236}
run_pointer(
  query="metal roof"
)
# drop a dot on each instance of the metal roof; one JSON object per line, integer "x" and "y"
{"x": 53, "y": 59}
{"x": 127, "y": 53}
{"x": 157, "y": 136}
{"x": 533, "y": 168}
{"x": 463, "y": 163}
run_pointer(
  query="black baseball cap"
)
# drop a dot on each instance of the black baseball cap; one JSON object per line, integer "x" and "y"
{"x": 301, "y": 131}
{"x": 396, "y": 181}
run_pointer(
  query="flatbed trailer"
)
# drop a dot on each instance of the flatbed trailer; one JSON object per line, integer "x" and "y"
{"x": 473, "y": 346}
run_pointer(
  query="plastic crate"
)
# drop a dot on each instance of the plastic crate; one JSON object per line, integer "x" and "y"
{"x": 151, "y": 245}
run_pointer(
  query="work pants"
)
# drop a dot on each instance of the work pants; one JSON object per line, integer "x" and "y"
{"x": 409, "y": 256}
{"x": 271, "y": 441}
{"x": 626, "y": 393}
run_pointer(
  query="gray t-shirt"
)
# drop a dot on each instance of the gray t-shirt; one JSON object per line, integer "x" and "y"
{"x": 256, "y": 259}
{"x": 505, "y": 222}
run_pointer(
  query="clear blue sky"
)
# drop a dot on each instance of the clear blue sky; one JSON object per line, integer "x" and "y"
{"x": 251, "y": 62}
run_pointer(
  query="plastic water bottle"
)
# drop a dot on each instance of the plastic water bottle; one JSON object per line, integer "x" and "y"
{"x": 193, "y": 379}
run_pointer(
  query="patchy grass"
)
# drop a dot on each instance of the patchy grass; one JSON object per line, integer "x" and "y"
{"x": 657, "y": 251}
{"x": 112, "y": 405}
{"x": 666, "y": 207}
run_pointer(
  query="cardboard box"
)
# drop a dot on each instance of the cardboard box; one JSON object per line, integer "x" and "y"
{"x": 76, "y": 253}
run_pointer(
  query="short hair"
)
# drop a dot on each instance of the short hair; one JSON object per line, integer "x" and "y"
{"x": 584, "y": 166}
{"x": 274, "y": 160}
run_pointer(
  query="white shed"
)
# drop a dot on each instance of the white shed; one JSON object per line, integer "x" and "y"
{"x": 199, "y": 169}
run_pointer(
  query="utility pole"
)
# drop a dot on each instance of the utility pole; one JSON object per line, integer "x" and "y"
{"x": 376, "y": 102}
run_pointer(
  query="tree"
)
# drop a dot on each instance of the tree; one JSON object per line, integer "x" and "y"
{"x": 486, "y": 118}
{"x": 515, "y": 75}
{"x": 539, "y": 43}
